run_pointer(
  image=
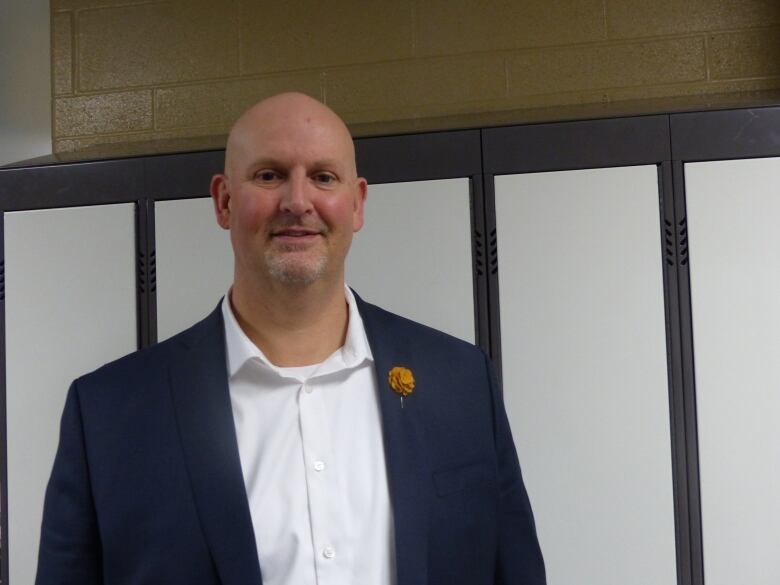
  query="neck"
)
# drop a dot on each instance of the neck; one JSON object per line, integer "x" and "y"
{"x": 293, "y": 325}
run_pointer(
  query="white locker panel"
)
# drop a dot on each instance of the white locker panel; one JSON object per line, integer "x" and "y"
{"x": 413, "y": 255}
{"x": 733, "y": 210}
{"x": 70, "y": 307}
{"x": 194, "y": 263}
{"x": 584, "y": 369}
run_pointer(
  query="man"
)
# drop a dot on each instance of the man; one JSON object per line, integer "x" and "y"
{"x": 297, "y": 432}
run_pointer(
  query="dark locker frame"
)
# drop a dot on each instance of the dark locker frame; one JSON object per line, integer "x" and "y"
{"x": 667, "y": 141}
{"x": 603, "y": 144}
{"x": 698, "y": 137}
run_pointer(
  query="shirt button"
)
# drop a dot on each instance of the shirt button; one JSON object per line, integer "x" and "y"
{"x": 328, "y": 552}
{"x": 308, "y": 389}
{"x": 319, "y": 465}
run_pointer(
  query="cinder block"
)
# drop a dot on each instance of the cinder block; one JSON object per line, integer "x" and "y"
{"x": 745, "y": 54}
{"x": 81, "y": 4}
{"x": 451, "y": 27}
{"x": 125, "y": 111}
{"x": 404, "y": 84}
{"x": 135, "y": 143}
{"x": 300, "y": 34}
{"x": 640, "y": 18}
{"x": 702, "y": 94}
{"x": 62, "y": 53}
{"x": 220, "y": 103}
{"x": 169, "y": 42}
{"x": 573, "y": 69}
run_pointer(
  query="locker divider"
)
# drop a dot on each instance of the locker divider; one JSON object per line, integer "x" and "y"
{"x": 3, "y": 419}
{"x": 146, "y": 273}
{"x": 685, "y": 383}
{"x": 479, "y": 256}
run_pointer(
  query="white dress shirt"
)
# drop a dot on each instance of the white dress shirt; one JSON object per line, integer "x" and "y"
{"x": 312, "y": 455}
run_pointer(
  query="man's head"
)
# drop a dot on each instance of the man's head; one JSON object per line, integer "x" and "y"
{"x": 290, "y": 194}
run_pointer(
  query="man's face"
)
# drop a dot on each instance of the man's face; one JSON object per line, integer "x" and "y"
{"x": 293, "y": 197}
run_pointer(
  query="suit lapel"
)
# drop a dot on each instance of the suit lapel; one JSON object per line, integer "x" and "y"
{"x": 201, "y": 400}
{"x": 405, "y": 447}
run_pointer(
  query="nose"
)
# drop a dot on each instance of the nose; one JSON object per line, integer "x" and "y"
{"x": 296, "y": 198}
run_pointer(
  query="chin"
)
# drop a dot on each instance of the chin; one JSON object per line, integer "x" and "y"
{"x": 289, "y": 271}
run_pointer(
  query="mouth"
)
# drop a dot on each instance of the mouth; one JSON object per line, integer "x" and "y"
{"x": 295, "y": 235}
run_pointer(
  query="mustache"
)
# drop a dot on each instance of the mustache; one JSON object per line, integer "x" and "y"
{"x": 295, "y": 223}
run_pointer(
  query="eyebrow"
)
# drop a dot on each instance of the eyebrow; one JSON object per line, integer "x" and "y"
{"x": 274, "y": 162}
{"x": 270, "y": 162}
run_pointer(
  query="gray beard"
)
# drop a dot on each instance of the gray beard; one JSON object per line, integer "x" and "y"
{"x": 286, "y": 270}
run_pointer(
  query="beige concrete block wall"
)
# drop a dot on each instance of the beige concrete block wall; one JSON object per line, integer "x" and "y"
{"x": 134, "y": 76}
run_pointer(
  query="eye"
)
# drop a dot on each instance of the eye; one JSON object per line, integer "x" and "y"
{"x": 266, "y": 176}
{"x": 325, "y": 178}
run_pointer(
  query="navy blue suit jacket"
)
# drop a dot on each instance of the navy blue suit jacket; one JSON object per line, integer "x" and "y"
{"x": 147, "y": 485}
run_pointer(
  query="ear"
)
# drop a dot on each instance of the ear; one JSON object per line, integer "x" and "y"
{"x": 361, "y": 192}
{"x": 220, "y": 195}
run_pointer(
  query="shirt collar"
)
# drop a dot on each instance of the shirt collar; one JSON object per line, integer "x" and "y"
{"x": 240, "y": 349}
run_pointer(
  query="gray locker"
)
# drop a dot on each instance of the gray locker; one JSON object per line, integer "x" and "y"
{"x": 584, "y": 369}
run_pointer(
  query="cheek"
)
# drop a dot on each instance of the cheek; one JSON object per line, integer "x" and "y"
{"x": 252, "y": 213}
{"x": 338, "y": 213}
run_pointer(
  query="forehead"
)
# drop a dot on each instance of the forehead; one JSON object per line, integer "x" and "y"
{"x": 291, "y": 138}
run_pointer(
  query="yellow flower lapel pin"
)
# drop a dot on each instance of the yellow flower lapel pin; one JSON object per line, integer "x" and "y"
{"x": 401, "y": 381}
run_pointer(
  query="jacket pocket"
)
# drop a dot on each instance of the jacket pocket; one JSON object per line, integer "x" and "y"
{"x": 472, "y": 475}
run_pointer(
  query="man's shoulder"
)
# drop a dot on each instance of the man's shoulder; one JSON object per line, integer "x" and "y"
{"x": 405, "y": 330}
{"x": 153, "y": 360}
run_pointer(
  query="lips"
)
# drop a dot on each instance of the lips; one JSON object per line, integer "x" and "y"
{"x": 295, "y": 235}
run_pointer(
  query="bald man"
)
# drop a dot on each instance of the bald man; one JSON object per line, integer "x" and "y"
{"x": 297, "y": 435}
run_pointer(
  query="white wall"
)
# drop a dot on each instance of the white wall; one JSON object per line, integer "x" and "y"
{"x": 25, "y": 80}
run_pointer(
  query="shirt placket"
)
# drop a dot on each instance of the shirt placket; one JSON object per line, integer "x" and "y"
{"x": 321, "y": 485}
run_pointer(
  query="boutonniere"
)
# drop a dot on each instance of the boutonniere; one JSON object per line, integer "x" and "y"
{"x": 401, "y": 381}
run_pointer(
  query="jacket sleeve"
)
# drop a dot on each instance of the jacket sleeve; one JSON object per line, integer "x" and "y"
{"x": 519, "y": 559}
{"x": 70, "y": 545}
